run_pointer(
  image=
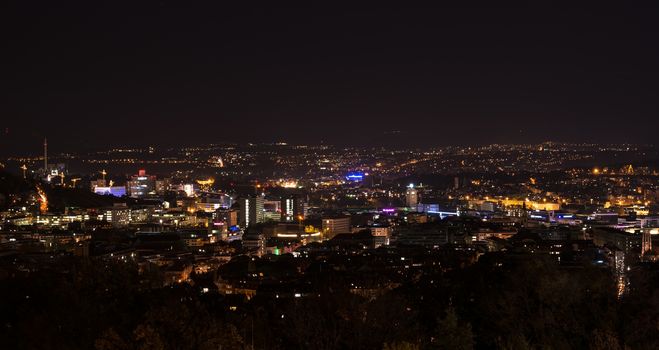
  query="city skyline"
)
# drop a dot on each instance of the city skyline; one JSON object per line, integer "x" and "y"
{"x": 178, "y": 175}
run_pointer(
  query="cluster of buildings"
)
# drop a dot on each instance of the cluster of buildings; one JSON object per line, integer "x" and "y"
{"x": 345, "y": 207}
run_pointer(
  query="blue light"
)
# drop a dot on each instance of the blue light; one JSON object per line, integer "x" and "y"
{"x": 355, "y": 176}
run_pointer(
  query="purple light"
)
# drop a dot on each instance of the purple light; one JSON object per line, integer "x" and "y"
{"x": 117, "y": 191}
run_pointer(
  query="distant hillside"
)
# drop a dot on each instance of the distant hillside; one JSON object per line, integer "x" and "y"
{"x": 58, "y": 198}
{"x": 12, "y": 184}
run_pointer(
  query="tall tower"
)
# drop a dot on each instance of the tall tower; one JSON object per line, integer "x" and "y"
{"x": 45, "y": 154}
{"x": 251, "y": 211}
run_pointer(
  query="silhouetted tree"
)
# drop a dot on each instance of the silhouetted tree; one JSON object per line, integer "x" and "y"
{"x": 401, "y": 346}
{"x": 451, "y": 334}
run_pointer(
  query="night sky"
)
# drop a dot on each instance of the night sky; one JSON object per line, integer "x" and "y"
{"x": 176, "y": 73}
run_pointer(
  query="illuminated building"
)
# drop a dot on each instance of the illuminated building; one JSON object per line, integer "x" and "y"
{"x": 271, "y": 210}
{"x": 206, "y": 185}
{"x": 333, "y": 226}
{"x": 251, "y": 211}
{"x": 416, "y": 218}
{"x": 98, "y": 183}
{"x": 141, "y": 185}
{"x": 210, "y": 204}
{"x": 487, "y": 206}
{"x": 188, "y": 189}
{"x": 55, "y": 170}
{"x": 208, "y": 207}
{"x": 288, "y": 183}
{"x": 625, "y": 241}
{"x": 436, "y": 209}
{"x": 381, "y": 234}
{"x": 430, "y": 235}
{"x": 535, "y": 205}
{"x": 228, "y": 216}
{"x": 119, "y": 215}
{"x": 605, "y": 218}
{"x": 255, "y": 244}
{"x": 650, "y": 221}
{"x": 355, "y": 176}
{"x": 117, "y": 191}
{"x": 380, "y": 231}
{"x": 411, "y": 197}
{"x": 292, "y": 209}
{"x": 162, "y": 186}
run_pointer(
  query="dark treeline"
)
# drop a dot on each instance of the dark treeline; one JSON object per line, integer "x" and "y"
{"x": 501, "y": 302}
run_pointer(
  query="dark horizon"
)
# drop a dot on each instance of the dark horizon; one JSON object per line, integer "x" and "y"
{"x": 87, "y": 76}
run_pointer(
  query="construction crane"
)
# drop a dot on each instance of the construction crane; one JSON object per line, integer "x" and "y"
{"x": 103, "y": 172}
{"x": 74, "y": 181}
{"x": 24, "y": 168}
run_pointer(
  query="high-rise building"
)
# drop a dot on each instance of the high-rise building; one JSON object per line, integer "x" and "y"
{"x": 228, "y": 216}
{"x": 225, "y": 223}
{"x": 335, "y": 225}
{"x": 251, "y": 211}
{"x": 411, "y": 197}
{"x": 141, "y": 185}
{"x": 292, "y": 209}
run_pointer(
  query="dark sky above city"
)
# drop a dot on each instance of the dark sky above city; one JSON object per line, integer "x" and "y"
{"x": 89, "y": 75}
